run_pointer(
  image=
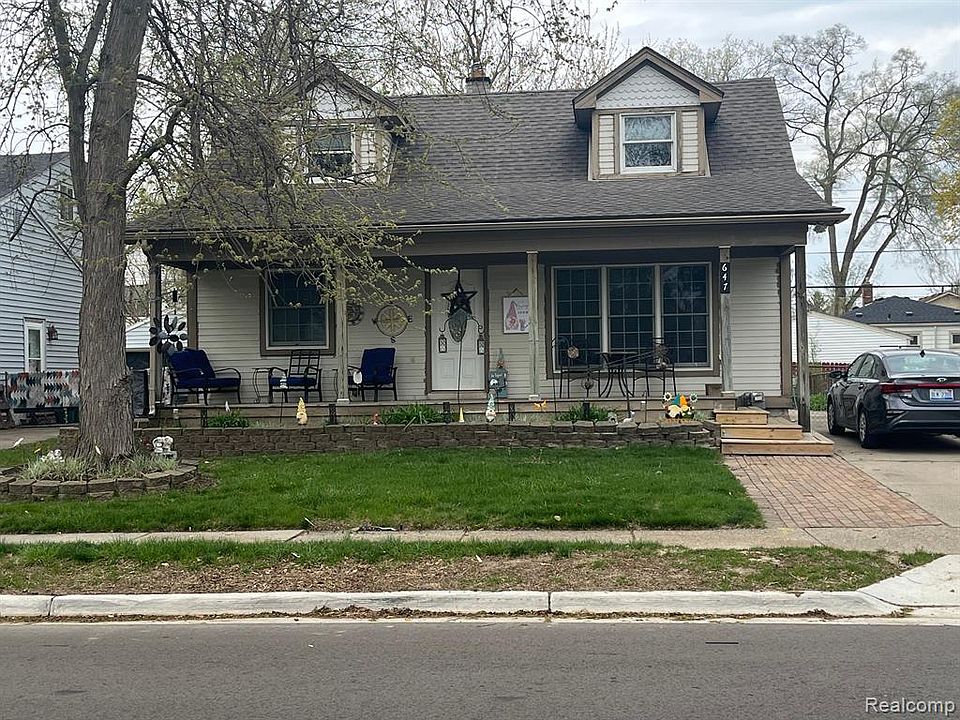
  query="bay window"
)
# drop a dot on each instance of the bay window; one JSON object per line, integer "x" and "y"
{"x": 627, "y": 308}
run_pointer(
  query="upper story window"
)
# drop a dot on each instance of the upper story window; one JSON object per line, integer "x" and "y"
{"x": 331, "y": 153}
{"x": 648, "y": 143}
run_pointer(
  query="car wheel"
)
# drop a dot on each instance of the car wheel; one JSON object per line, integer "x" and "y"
{"x": 868, "y": 438}
{"x": 833, "y": 427}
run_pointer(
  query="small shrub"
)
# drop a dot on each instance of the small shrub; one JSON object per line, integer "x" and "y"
{"x": 818, "y": 401}
{"x": 415, "y": 414}
{"x": 232, "y": 419}
{"x": 576, "y": 414}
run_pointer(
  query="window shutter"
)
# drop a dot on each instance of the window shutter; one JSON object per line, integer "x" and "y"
{"x": 690, "y": 141}
{"x": 606, "y": 146}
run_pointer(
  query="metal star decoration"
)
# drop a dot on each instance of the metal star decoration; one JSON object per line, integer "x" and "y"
{"x": 459, "y": 311}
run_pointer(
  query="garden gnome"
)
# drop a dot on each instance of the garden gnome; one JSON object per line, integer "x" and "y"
{"x": 301, "y": 413}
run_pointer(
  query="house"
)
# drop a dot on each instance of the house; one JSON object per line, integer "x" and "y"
{"x": 935, "y": 327}
{"x": 40, "y": 277}
{"x": 834, "y": 339}
{"x": 947, "y": 298}
{"x": 652, "y": 208}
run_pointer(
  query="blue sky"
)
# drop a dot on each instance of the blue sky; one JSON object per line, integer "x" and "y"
{"x": 931, "y": 27}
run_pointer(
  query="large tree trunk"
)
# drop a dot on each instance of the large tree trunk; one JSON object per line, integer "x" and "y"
{"x": 106, "y": 418}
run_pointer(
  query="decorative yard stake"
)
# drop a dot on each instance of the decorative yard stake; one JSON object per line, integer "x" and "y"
{"x": 302, "y": 418}
{"x": 491, "y": 413}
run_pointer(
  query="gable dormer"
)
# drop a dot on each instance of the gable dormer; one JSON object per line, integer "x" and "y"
{"x": 349, "y": 132}
{"x": 647, "y": 117}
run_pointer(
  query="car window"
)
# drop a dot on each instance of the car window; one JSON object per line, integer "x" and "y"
{"x": 927, "y": 364}
{"x": 854, "y": 369}
{"x": 870, "y": 368}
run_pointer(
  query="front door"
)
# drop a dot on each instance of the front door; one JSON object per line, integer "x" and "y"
{"x": 461, "y": 360}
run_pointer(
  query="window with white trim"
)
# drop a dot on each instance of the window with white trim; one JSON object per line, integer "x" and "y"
{"x": 296, "y": 314}
{"x": 628, "y": 308}
{"x": 34, "y": 351}
{"x": 648, "y": 143}
{"x": 330, "y": 153}
{"x": 955, "y": 339}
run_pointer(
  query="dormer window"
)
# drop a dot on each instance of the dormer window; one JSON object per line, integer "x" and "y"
{"x": 330, "y": 153}
{"x": 648, "y": 143}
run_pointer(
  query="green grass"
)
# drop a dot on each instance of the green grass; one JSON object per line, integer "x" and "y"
{"x": 818, "y": 401}
{"x": 427, "y": 488}
{"x": 45, "y": 566}
{"x": 10, "y": 457}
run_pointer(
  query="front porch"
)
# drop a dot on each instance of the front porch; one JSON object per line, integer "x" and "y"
{"x": 723, "y": 313}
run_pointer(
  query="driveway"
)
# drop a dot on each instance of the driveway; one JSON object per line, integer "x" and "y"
{"x": 923, "y": 469}
{"x": 29, "y": 433}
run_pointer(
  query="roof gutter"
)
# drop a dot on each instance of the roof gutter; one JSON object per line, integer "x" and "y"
{"x": 823, "y": 218}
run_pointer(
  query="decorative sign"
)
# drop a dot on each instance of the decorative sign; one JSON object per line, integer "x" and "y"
{"x": 516, "y": 315}
{"x": 354, "y": 312}
{"x": 725, "y": 278}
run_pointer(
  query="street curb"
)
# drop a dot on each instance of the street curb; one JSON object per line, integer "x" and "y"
{"x": 713, "y": 604}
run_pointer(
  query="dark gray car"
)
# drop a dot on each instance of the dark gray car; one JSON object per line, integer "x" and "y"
{"x": 893, "y": 391}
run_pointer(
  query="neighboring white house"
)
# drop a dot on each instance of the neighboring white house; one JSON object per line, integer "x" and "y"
{"x": 40, "y": 277}
{"x": 933, "y": 326}
{"x": 838, "y": 340}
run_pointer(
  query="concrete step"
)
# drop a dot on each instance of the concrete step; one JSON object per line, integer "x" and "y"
{"x": 773, "y": 431}
{"x": 808, "y": 444}
{"x": 744, "y": 416}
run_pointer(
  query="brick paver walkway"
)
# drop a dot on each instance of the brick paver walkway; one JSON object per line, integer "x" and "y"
{"x": 822, "y": 492}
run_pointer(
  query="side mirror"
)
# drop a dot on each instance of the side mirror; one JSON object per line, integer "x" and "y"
{"x": 838, "y": 374}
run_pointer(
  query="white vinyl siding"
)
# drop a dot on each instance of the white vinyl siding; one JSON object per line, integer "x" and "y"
{"x": 646, "y": 88}
{"x": 228, "y": 329}
{"x": 503, "y": 281}
{"x": 690, "y": 141}
{"x": 932, "y": 337}
{"x": 606, "y": 145}
{"x": 837, "y": 340}
{"x": 755, "y": 325}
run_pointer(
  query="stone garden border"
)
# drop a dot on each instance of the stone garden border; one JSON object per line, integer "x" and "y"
{"x": 13, "y": 489}
{"x": 221, "y": 442}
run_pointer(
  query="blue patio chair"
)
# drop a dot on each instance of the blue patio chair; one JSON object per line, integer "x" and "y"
{"x": 377, "y": 372}
{"x": 302, "y": 374}
{"x": 191, "y": 372}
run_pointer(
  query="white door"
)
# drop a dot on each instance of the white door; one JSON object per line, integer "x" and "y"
{"x": 460, "y": 358}
{"x": 34, "y": 350}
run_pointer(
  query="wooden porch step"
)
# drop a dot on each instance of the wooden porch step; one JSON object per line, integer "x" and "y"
{"x": 773, "y": 431}
{"x": 808, "y": 444}
{"x": 745, "y": 416}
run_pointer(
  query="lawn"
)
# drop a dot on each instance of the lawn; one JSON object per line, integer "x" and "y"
{"x": 344, "y": 566}
{"x": 9, "y": 457}
{"x": 427, "y": 488}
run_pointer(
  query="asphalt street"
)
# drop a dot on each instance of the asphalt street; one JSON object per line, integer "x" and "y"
{"x": 495, "y": 669}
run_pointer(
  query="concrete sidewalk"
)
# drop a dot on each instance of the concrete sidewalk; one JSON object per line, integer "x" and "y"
{"x": 937, "y": 538}
{"x": 930, "y": 591}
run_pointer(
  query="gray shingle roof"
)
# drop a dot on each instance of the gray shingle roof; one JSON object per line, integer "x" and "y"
{"x": 520, "y": 156}
{"x": 895, "y": 310}
{"x": 503, "y": 157}
{"x": 17, "y": 169}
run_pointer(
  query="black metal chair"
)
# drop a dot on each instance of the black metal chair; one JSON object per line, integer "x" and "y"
{"x": 574, "y": 361}
{"x": 301, "y": 375}
{"x": 191, "y": 372}
{"x": 657, "y": 362}
{"x": 377, "y": 371}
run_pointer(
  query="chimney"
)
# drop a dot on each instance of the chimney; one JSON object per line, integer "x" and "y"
{"x": 477, "y": 82}
{"x": 866, "y": 293}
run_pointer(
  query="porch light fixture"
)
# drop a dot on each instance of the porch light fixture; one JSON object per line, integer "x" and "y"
{"x": 481, "y": 345}
{"x": 442, "y": 343}
{"x": 52, "y": 333}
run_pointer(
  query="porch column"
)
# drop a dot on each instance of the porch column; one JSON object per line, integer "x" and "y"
{"x": 155, "y": 391}
{"x": 340, "y": 313}
{"x": 803, "y": 362}
{"x": 726, "y": 333}
{"x": 533, "y": 336}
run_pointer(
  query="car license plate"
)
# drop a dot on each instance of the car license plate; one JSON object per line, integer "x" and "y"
{"x": 941, "y": 394}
